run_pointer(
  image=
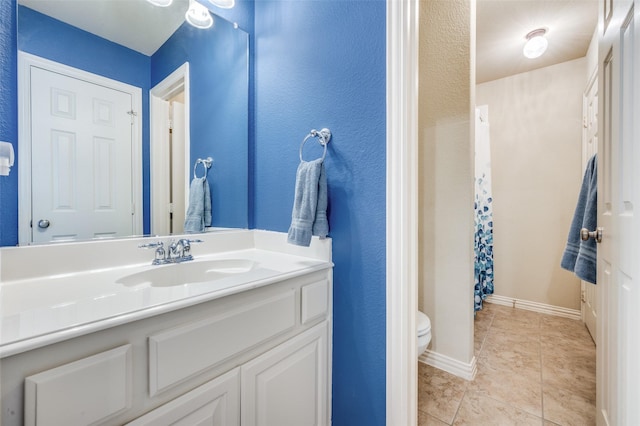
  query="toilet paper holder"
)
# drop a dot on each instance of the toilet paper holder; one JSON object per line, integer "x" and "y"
{"x": 7, "y": 158}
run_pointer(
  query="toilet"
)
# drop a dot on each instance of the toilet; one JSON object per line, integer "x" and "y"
{"x": 424, "y": 332}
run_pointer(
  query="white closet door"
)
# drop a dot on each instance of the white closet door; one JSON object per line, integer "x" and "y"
{"x": 618, "y": 331}
{"x": 81, "y": 143}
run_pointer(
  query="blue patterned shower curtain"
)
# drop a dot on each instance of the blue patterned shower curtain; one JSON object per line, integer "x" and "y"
{"x": 483, "y": 210}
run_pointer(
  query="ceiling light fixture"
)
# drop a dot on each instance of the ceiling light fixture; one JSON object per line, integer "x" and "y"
{"x": 536, "y": 43}
{"x": 161, "y": 3}
{"x": 198, "y": 15}
{"x": 223, "y": 4}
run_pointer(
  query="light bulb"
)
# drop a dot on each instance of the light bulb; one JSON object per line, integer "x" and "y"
{"x": 223, "y": 4}
{"x": 161, "y": 3}
{"x": 536, "y": 44}
{"x": 198, "y": 15}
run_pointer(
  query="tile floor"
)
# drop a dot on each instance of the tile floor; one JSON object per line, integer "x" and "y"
{"x": 533, "y": 369}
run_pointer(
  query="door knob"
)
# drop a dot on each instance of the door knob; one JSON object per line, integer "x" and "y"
{"x": 585, "y": 234}
{"x": 43, "y": 223}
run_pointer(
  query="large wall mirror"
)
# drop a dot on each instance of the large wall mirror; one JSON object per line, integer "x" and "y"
{"x": 138, "y": 71}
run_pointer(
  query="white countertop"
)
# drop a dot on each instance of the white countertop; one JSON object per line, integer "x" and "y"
{"x": 39, "y": 311}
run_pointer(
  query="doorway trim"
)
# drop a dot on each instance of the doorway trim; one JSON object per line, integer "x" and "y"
{"x": 177, "y": 81}
{"x": 402, "y": 212}
{"x": 25, "y": 62}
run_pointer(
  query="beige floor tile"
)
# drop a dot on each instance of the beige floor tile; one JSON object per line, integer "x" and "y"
{"x": 477, "y": 345}
{"x": 568, "y": 348}
{"x": 439, "y": 393}
{"x": 529, "y": 365}
{"x": 426, "y": 420}
{"x": 513, "y": 361}
{"x": 585, "y": 363}
{"x": 572, "y": 380}
{"x": 519, "y": 342}
{"x": 521, "y": 315}
{"x": 478, "y": 409}
{"x": 483, "y": 320}
{"x": 575, "y": 372}
{"x": 522, "y": 390}
{"x": 516, "y": 325}
{"x": 494, "y": 307}
{"x": 568, "y": 409}
{"x": 564, "y": 331}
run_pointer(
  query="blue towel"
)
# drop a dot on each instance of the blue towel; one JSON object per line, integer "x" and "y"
{"x": 580, "y": 256}
{"x": 309, "y": 215}
{"x": 199, "y": 210}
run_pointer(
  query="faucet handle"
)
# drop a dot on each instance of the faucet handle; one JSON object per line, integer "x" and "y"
{"x": 186, "y": 247}
{"x": 152, "y": 245}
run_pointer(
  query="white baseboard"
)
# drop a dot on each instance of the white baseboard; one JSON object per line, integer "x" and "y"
{"x": 534, "y": 306}
{"x": 450, "y": 365}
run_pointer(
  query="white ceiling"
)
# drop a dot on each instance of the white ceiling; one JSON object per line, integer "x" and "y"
{"x": 503, "y": 24}
{"x": 501, "y": 28}
{"x": 136, "y": 24}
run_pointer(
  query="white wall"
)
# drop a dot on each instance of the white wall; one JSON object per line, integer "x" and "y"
{"x": 536, "y": 146}
{"x": 447, "y": 53}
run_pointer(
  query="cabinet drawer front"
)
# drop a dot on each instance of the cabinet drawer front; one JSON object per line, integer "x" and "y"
{"x": 85, "y": 392}
{"x": 315, "y": 301}
{"x": 216, "y": 403}
{"x": 183, "y": 352}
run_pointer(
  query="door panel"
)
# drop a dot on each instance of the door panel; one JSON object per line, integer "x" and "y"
{"x": 81, "y": 143}
{"x": 617, "y": 342}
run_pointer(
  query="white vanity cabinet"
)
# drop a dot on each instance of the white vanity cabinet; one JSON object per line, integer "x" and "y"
{"x": 258, "y": 357}
{"x": 287, "y": 386}
{"x": 216, "y": 403}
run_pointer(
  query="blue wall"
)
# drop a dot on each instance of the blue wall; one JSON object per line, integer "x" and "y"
{"x": 9, "y": 120}
{"x": 219, "y": 77}
{"x": 315, "y": 64}
{"x": 322, "y": 64}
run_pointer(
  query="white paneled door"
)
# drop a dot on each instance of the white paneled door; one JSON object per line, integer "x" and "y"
{"x": 81, "y": 147}
{"x": 589, "y": 148}
{"x": 618, "y": 325}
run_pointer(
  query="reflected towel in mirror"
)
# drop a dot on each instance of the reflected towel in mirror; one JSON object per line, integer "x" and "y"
{"x": 199, "y": 210}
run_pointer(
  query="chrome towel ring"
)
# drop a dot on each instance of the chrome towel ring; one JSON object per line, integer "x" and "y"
{"x": 323, "y": 136}
{"x": 206, "y": 163}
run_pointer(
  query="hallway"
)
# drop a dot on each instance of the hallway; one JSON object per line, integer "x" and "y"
{"x": 533, "y": 369}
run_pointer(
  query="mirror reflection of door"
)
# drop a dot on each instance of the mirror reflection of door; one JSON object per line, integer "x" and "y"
{"x": 177, "y": 185}
{"x": 170, "y": 152}
{"x": 82, "y": 167}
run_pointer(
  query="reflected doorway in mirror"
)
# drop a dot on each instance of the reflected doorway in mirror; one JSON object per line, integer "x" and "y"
{"x": 170, "y": 152}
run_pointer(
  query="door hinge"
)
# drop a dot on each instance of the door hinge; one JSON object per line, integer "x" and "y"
{"x": 582, "y": 296}
{"x": 170, "y": 208}
{"x": 132, "y": 114}
{"x": 170, "y": 124}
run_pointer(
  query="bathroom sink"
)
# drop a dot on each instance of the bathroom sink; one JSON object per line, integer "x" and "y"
{"x": 188, "y": 272}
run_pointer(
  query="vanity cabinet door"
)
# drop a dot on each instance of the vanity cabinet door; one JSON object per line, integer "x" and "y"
{"x": 287, "y": 386}
{"x": 216, "y": 403}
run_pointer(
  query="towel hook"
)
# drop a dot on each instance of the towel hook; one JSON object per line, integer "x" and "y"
{"x": 206, "y": 163}
{"x": 323, "y": 136}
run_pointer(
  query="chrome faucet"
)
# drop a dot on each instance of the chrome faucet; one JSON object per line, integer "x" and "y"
{"x": 178, "y": 251}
